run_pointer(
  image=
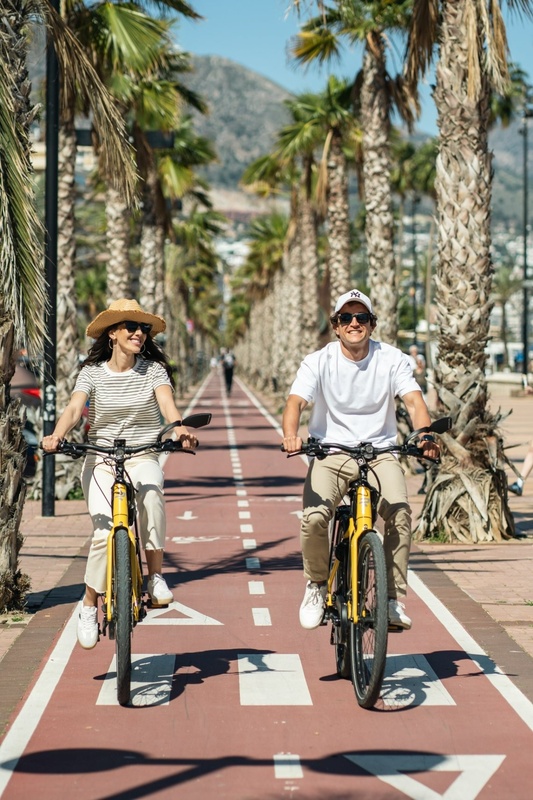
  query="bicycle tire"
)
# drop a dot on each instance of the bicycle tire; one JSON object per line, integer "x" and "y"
{"x": 122, "y": 611}
{"x": 341, "y": 588}
{"x": 368, "y": 637}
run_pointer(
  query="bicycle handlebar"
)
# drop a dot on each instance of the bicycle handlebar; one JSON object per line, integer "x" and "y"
{"x": 79, "y": 449}
{"x": 368, "y": 452}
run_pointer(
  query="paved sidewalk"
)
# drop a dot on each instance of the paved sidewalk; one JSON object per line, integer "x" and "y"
{"x": 496, "y": 579}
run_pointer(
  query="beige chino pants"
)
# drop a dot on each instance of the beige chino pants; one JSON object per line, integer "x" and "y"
{"x": 97, "y": 479}
{"x": 325, "y": 486}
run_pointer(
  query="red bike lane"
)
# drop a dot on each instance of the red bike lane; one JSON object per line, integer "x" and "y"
{"x": 231, "y": 698}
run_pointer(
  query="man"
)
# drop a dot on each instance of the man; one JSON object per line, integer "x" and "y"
{"x": 353, "y": 383}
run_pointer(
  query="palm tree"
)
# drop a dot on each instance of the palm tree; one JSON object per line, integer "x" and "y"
{"x": 23, "y": 293}
{"x": 468, "y": 500}
{"x": 320, "y": 38}
{"x": 323, "y": 121}
{"x": 505, "y": 285}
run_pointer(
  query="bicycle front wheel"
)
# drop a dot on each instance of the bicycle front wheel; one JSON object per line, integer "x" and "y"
{"x": 368, "y": 637}
{"x": 123, "y": 618}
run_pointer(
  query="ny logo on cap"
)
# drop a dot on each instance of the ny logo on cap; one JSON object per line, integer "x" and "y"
{"x": 355, "y": 294}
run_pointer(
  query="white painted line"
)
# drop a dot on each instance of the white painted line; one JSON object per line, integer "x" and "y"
{"x": 261, "y": 617}
{"x": 201, "y": 539}
{"x": 161, "y": 616}
{"x": 410, "y": 681}
{"x": 475, "y": 771}
{"x": 256, "y": 587}
{"x": 241, "y": 492}
{"x": 262, "y": 409}
{"x": 245, "y": 514}
{"x": 151, "y": 681}
{"x": 243, "y": 504}
{"x": 26, "y": 721}
{"x": 253, "y": 563}
{"x": 511, "y": 694}
{"x": 187, "y": 515}
{"x": 272, "y": 679}
{"x": 249, "y": 544}
{"x": 247, "y": 528}
{"x": 287, "y": 765}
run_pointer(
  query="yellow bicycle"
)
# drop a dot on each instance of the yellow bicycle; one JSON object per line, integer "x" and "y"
{"x": 357, "y": 593}
{"x": 123, "y": 604}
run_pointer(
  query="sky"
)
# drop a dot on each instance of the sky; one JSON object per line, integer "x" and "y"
{"x": 255, "y": 33}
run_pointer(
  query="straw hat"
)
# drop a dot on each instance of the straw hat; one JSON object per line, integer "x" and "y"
{"x": 120, "y": 311}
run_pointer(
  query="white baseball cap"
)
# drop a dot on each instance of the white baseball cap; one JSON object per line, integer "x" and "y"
{"x": 354, "y": 296}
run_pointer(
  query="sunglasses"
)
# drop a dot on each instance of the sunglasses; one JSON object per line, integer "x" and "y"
{"x": 131, "y": 326}
{"x": 362, "y": 318}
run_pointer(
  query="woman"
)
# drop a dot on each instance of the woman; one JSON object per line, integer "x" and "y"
{"x": 128, "y": 382}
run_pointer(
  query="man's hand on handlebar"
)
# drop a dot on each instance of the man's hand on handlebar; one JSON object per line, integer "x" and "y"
{"x": 291, "y": 444}
{"x": 429, "y": 446}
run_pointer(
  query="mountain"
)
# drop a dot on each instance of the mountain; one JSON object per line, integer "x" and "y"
{"x": 247, "y": 111}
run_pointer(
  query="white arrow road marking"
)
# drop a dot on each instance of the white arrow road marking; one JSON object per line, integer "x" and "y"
{"x": 475, "y": 771}
{"x": 272, "y": 679}
{"x": 410, "y": 681}
{"x": 151, "y": 681}
{"x": 156, "y": 616}
{"x": 187, "y": 515}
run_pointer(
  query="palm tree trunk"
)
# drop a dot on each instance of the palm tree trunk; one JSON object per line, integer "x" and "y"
{"x": 468, "y": 502}
{"x": 338, "y": 221}
{"x": 117, "y": 237}
{"x": 379, "y": 227}
{"x": 307, "y": 231}
{"x": 152, "y": 276}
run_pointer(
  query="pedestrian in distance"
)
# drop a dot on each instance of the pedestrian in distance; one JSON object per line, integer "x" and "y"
{"x": 127, "y": 380}
{"x": 228, "y": 365}
{"x": 518, "y": 486}
{"x": 352, "y": 383}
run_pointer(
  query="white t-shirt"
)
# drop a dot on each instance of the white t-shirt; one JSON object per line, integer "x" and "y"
{"x": 354, "y": 400}
{"x": 123, "y": 404}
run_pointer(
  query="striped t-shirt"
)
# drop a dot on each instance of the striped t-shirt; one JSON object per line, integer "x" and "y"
{"x": 123, "y": 405}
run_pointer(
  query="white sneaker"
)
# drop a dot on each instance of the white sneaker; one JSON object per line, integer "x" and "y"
{"x": 160, "y": 594}
{"x": 313, "y": 605}
{"x": 88, "y": 627}
{"x": 397, "y": 615}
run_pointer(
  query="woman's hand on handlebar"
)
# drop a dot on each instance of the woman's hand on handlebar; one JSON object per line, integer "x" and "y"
{"x": 50, "y": 443}
{"x": 291, "y": 444}
{"x": 188, "y": 440}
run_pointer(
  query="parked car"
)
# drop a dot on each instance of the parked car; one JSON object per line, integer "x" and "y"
{"x": 25, "y": 385}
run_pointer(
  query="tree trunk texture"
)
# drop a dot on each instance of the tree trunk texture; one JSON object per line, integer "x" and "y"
{"x": 379, "y": 227}
{"x": 13, "y": 584}
{"x": 118, "y": 242}
{"x": 307, "y": 229}
{"x": 152, "y": 275}
{"x": 468, "y": 500}
{"x": 338, "y": 220}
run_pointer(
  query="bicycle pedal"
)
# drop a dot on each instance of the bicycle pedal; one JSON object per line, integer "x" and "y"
{"x": 395, "y": 628}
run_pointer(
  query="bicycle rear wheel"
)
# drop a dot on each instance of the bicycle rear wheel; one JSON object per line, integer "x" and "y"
{"x": 368, "y": 637}
{"x": 123, "y": 618}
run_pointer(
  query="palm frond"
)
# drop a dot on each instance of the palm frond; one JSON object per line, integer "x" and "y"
{"x": 21, "y": 232}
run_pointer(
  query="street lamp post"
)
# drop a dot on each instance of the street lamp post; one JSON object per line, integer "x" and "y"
{"x": 528, "y": 112}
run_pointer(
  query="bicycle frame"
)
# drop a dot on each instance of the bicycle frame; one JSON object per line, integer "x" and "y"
{"x": 361, "y": 519}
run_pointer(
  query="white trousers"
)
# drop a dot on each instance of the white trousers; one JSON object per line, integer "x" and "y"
{"x": 97, "y": 479}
